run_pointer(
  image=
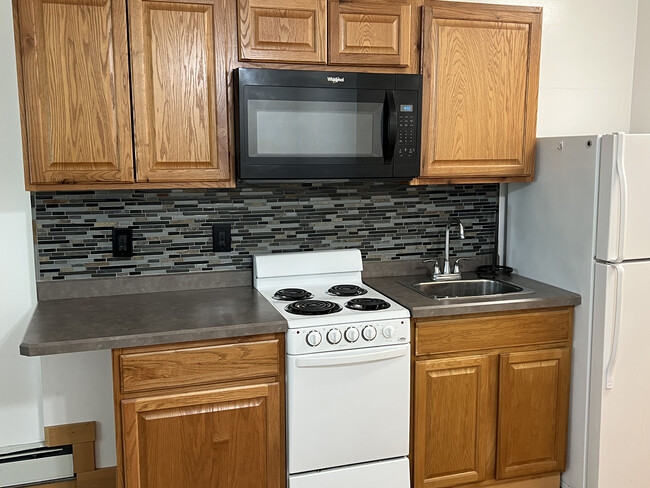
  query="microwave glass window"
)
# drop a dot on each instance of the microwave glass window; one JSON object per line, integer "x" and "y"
{"x": 295, "y": 128}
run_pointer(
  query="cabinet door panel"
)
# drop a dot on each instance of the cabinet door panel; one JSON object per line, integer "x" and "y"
{"x": 369, "y": 34}
{"x": 219, "y": 438}
{"x": 480, "y": 77}
{"x": 533, "y": 412}
{"x": 178, "y": 57}
{"x": 287, "y": 31}
{"x": 451, "y": 421}
{"x": 76, "y": 90}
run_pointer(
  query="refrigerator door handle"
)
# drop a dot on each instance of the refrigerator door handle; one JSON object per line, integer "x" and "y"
{"x": 622, "y": 181}
{"x": 611, "y": 363}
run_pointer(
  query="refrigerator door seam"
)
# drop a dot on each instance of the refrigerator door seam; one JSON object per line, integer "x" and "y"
{"x": 622, "y": 179}
{"x": 611, "y": 363}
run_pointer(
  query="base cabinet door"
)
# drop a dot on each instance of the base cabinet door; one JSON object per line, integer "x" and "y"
{"x": 451, "y": 423}
{"x": 533, "y": 412}
{"x": 220, "y": 438}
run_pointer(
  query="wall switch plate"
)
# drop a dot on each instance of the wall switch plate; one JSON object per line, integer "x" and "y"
{"x": 122, "y": 242}
{"x": 221, "y": 238}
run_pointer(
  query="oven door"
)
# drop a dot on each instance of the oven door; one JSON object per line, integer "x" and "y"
{"x": 310, "y": 133}
{"x": 347, "y": 407}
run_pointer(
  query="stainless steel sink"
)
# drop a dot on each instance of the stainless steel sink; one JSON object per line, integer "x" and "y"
{"x": 465, "y": 288}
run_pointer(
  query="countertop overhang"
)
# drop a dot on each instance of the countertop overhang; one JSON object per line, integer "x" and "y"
{"x": 93, "y": 323}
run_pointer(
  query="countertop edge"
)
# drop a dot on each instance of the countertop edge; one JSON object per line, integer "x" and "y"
{"x": 152, "y": 339}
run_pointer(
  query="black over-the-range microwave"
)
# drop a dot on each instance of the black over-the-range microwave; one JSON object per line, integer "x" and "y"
{"x": 306, "y": 125}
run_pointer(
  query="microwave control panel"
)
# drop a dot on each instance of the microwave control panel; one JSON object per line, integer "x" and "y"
{"x": 406, "y": 149}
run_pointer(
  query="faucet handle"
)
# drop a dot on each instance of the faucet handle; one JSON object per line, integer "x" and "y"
{"x": 457, "y": 266}
{"x": 436, "y": 268}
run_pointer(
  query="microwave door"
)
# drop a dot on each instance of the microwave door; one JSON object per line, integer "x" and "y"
{"x": 303, "y": 133}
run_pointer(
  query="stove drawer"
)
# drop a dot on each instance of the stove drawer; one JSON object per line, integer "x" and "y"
{"x": 198, "y": 363}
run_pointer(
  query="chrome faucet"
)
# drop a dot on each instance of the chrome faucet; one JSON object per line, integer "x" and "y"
{"x": 446, "y": 273}
{"x": 461, "y": 230}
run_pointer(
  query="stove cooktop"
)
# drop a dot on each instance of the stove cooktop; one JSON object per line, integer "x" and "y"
{"x": 320, "y": 307}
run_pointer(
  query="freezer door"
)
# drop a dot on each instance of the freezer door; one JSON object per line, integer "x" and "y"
{"x": 624, "y": 199}
{"x": 619, "y": 430}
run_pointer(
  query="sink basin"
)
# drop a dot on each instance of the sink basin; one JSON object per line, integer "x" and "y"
{"x": 465, "y": 288}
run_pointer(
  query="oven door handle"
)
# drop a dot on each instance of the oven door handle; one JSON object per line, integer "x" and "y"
{"x": 357, "y": 357}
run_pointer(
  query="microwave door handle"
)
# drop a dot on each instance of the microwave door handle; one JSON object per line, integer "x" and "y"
{"x": 390, "y": 125}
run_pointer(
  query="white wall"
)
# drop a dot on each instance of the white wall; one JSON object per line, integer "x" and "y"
{"x": 79, "y": 387}
{"x": 640, "y": 117}
{"x": 585, "y": 87}
{"x": 20, "y": 378}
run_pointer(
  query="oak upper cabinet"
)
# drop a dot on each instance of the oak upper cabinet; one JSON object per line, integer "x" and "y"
{"x": 491, "y": 399}
{"x": 361, "y": 33}
{"x": 480, "y": 66}
{"x": 288, "y": 31}
{"x": 373, "y": 33}
{"x": 202, "y": 415}
{"x": 75, "y": 99}
{"x": 76, "y": 92}
{"x": 180, "y": 112}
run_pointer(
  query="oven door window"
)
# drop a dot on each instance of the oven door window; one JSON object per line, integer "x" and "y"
{"x": 314, "y": 127}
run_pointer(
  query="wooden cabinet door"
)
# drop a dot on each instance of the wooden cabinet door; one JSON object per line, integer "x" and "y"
{"x": 371, "y": 33}
{"x": 221, "y": 438}
{"x": 533, "y": 412}
{"x": 451, "y": 421}
{"x": 480, "y": 68}
{"x": 284, "y": 31}
{"x": 180, "y": 96}
{"x": 75, "y": 90}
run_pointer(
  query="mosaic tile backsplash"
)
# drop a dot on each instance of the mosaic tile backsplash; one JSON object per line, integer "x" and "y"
{"x": 172, "y": 229}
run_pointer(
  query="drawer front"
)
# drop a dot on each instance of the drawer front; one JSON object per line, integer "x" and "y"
{"x": 492, "y": 330}
{"x": 142, "y": 371}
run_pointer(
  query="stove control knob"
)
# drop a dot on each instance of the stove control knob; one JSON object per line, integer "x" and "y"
{"x": 351, "y": 334}
{"x": 389, "y": 332}
{"x": 314, "y": 338}
{"x": 334, "y": 336}
{"x": 369, "y": 332}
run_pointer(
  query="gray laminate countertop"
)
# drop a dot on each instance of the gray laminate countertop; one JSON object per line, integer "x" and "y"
{"x": 91, "y": 323}
{"x": 540, "y": 295}
{"x": 137, "y": 312}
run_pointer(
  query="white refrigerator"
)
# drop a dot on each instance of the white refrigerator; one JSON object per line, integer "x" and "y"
{"x": 584, "y": 225}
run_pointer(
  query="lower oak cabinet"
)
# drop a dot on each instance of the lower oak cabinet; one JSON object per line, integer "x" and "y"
{"x": 204, "y": 414}
{"x": 491, "y": 399}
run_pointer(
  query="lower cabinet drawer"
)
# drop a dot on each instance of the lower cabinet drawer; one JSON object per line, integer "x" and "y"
{"x": 197, "y": 364}
{"x": 475, "y": 332}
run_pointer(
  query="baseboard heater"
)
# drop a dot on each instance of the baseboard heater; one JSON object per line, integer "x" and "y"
{"x": 35, "y": 465}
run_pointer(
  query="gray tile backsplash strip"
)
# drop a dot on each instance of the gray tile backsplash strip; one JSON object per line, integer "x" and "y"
{"x": 172, "y": 229}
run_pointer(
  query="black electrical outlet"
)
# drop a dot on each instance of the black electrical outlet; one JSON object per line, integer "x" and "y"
{"x": 221, "y": 239}
{"x": 122, "y": 242}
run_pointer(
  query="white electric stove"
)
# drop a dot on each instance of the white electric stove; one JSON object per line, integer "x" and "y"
{"x": 348, "y": 369}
